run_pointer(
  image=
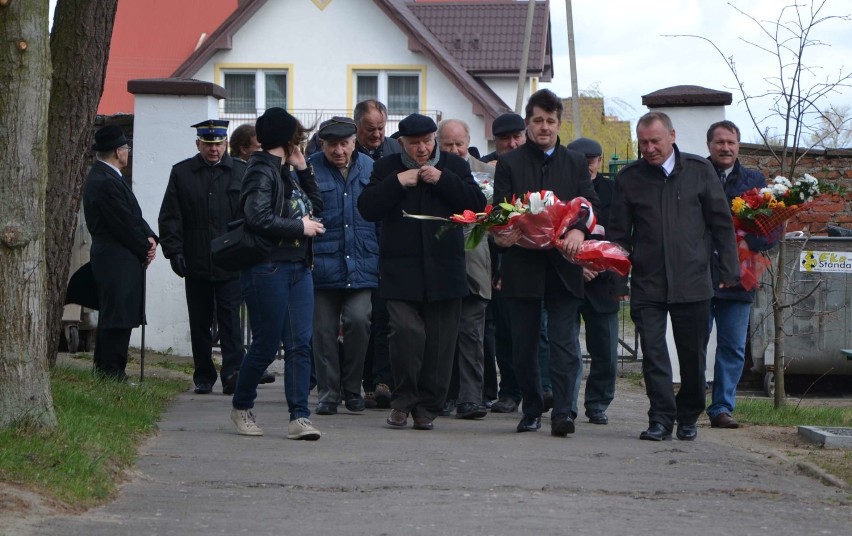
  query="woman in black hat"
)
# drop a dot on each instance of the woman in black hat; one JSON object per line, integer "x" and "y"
{"x": 279, "y": 292}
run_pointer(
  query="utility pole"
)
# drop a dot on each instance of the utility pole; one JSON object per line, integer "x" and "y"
{"x": 575, "y": 93}
{"x": 522, "y": 76}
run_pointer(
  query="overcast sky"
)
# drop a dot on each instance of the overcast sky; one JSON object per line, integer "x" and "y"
{"x": 621, "y": 49}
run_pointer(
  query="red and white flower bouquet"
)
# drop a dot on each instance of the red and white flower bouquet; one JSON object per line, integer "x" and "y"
{"x": 543, "y": 219}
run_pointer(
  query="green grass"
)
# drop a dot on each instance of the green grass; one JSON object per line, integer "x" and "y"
{"x": 763, "y": 412}
{"x": 100, "y": 425}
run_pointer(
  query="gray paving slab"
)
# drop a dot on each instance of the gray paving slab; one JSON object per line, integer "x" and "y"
{"x": 198, "y": 477}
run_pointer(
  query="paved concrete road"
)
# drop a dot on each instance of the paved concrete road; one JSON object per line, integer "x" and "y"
{"x": 198, "y": 477}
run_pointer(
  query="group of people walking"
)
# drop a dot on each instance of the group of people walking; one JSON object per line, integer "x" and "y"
{"x": 379, "y": 309}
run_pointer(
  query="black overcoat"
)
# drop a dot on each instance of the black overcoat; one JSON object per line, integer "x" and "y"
{"x": 119, "y": 246}
{"x": 199, "y": 202}
{"x": 414, "y": 262}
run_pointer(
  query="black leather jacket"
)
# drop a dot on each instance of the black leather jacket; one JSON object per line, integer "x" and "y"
{"x": 283, "y": 221}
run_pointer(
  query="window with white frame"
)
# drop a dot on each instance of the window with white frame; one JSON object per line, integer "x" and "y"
{"x": 399, "y": 90}
{"x": 252, "y": 91}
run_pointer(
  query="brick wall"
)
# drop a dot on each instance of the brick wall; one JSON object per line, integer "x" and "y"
{"x": 832, "y": 166}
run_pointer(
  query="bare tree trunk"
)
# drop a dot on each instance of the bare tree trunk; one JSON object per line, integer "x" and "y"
{"x": 79, "y": 48}
{"x": 24, "y": 87}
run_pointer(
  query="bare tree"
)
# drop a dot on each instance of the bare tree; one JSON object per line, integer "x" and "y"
{"x": 794, "y": 97}
{"x": 45, "y": 131}
{"x": 834, "y": 129}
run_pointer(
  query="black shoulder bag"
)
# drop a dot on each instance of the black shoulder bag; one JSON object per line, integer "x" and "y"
{"x": 240, "y": 248}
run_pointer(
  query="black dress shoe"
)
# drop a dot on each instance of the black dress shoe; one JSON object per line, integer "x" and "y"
{"x": 504, "y": 405}
{"x": 229, "y": 385}
{"x": 598, "y": 417}
{"x": 447, "y": 410}
{"x": 423, "y": 423}
{"x": 561, "y": 426}
{"x": 203, "y": 388}
{"x": 529, "y": 424}
{"x": 326, "y": 408}
{"x": 397, "y": 418}
{"x": 469, "y": 410}
{"x": 687, "y": 432}
{"x": 354, "y": 403}
{"x": 267, "y": 377}
{"x": 656, "y": 432}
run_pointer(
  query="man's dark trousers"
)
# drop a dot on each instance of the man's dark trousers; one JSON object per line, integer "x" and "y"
{"x": 206, "y": 299}
{"x": 111, "y": 352}
{"x": 563, "y": 332}
{"x": 690, "y": 323}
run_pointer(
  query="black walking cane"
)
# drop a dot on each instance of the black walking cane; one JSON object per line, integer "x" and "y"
{"x": 142, "y": 351}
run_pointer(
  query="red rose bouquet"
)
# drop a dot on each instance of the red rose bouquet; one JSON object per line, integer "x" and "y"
{"x": 542, "y": 219}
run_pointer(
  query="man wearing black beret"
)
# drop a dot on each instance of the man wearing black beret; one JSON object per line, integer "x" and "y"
{"x": 510, "y": 132}
{"x": 600, "y": 304}
{"x": 123, "y": 245}
{"x": 422, "y": 272}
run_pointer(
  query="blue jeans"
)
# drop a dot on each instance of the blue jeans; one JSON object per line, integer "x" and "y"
{"x": 280, "y": 301}
{"x": 731, "y": 330}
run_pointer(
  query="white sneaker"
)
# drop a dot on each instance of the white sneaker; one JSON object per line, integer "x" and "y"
{"x": 302, "y": 428}
{"x": 243, "y": 419}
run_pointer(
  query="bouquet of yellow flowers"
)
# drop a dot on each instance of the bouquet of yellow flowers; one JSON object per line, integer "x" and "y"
{"x": 761, "y": 211}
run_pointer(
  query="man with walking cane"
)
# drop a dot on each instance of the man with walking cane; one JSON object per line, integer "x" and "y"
{"x": 123, "y": 245}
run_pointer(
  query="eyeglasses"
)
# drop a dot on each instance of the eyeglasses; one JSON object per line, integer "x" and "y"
{"x": 126, "y": 148}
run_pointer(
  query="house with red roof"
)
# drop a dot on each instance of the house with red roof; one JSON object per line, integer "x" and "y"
{"x": 317, "y": 58}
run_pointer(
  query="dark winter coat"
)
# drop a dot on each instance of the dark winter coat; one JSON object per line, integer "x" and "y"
{"x": 528, "y": 169}
{"x": 199, "y": 202}
{"x": 119, "y": 246}
{"x": 388, "y": 147}
{"x": 415, "y": 264}
{"x": 668, "y": 225}
{"x": 601, "y": 292}
{"x": 347, "y": 254}
{"x": 738, "y": 181}
{"x": 281, "y": 222}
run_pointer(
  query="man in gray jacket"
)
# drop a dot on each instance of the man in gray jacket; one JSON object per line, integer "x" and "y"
{"x": 668, "y": 207}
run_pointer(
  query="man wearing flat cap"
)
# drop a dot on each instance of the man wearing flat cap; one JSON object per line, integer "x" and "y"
{"x": 346, "y": 268}
{"x": 422, "y": 271}
{"x": 123, "y": 245}
{"x": 201, "y": 198}
{"x": 509, "y": 132}
{"x": 600, "y": 306}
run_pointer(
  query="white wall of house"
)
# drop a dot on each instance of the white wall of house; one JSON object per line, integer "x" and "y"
{"x": 691, "y": 123}
{"x": 507, "y": 89}
{"x": 162, "y": 137}
{"x": 320, "y": 47}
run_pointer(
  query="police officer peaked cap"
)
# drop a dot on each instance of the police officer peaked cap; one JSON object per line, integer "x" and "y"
{"x": 212, "y": 130}
{"x": 417, "y": 125}
{"x": 586, "y": 146}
